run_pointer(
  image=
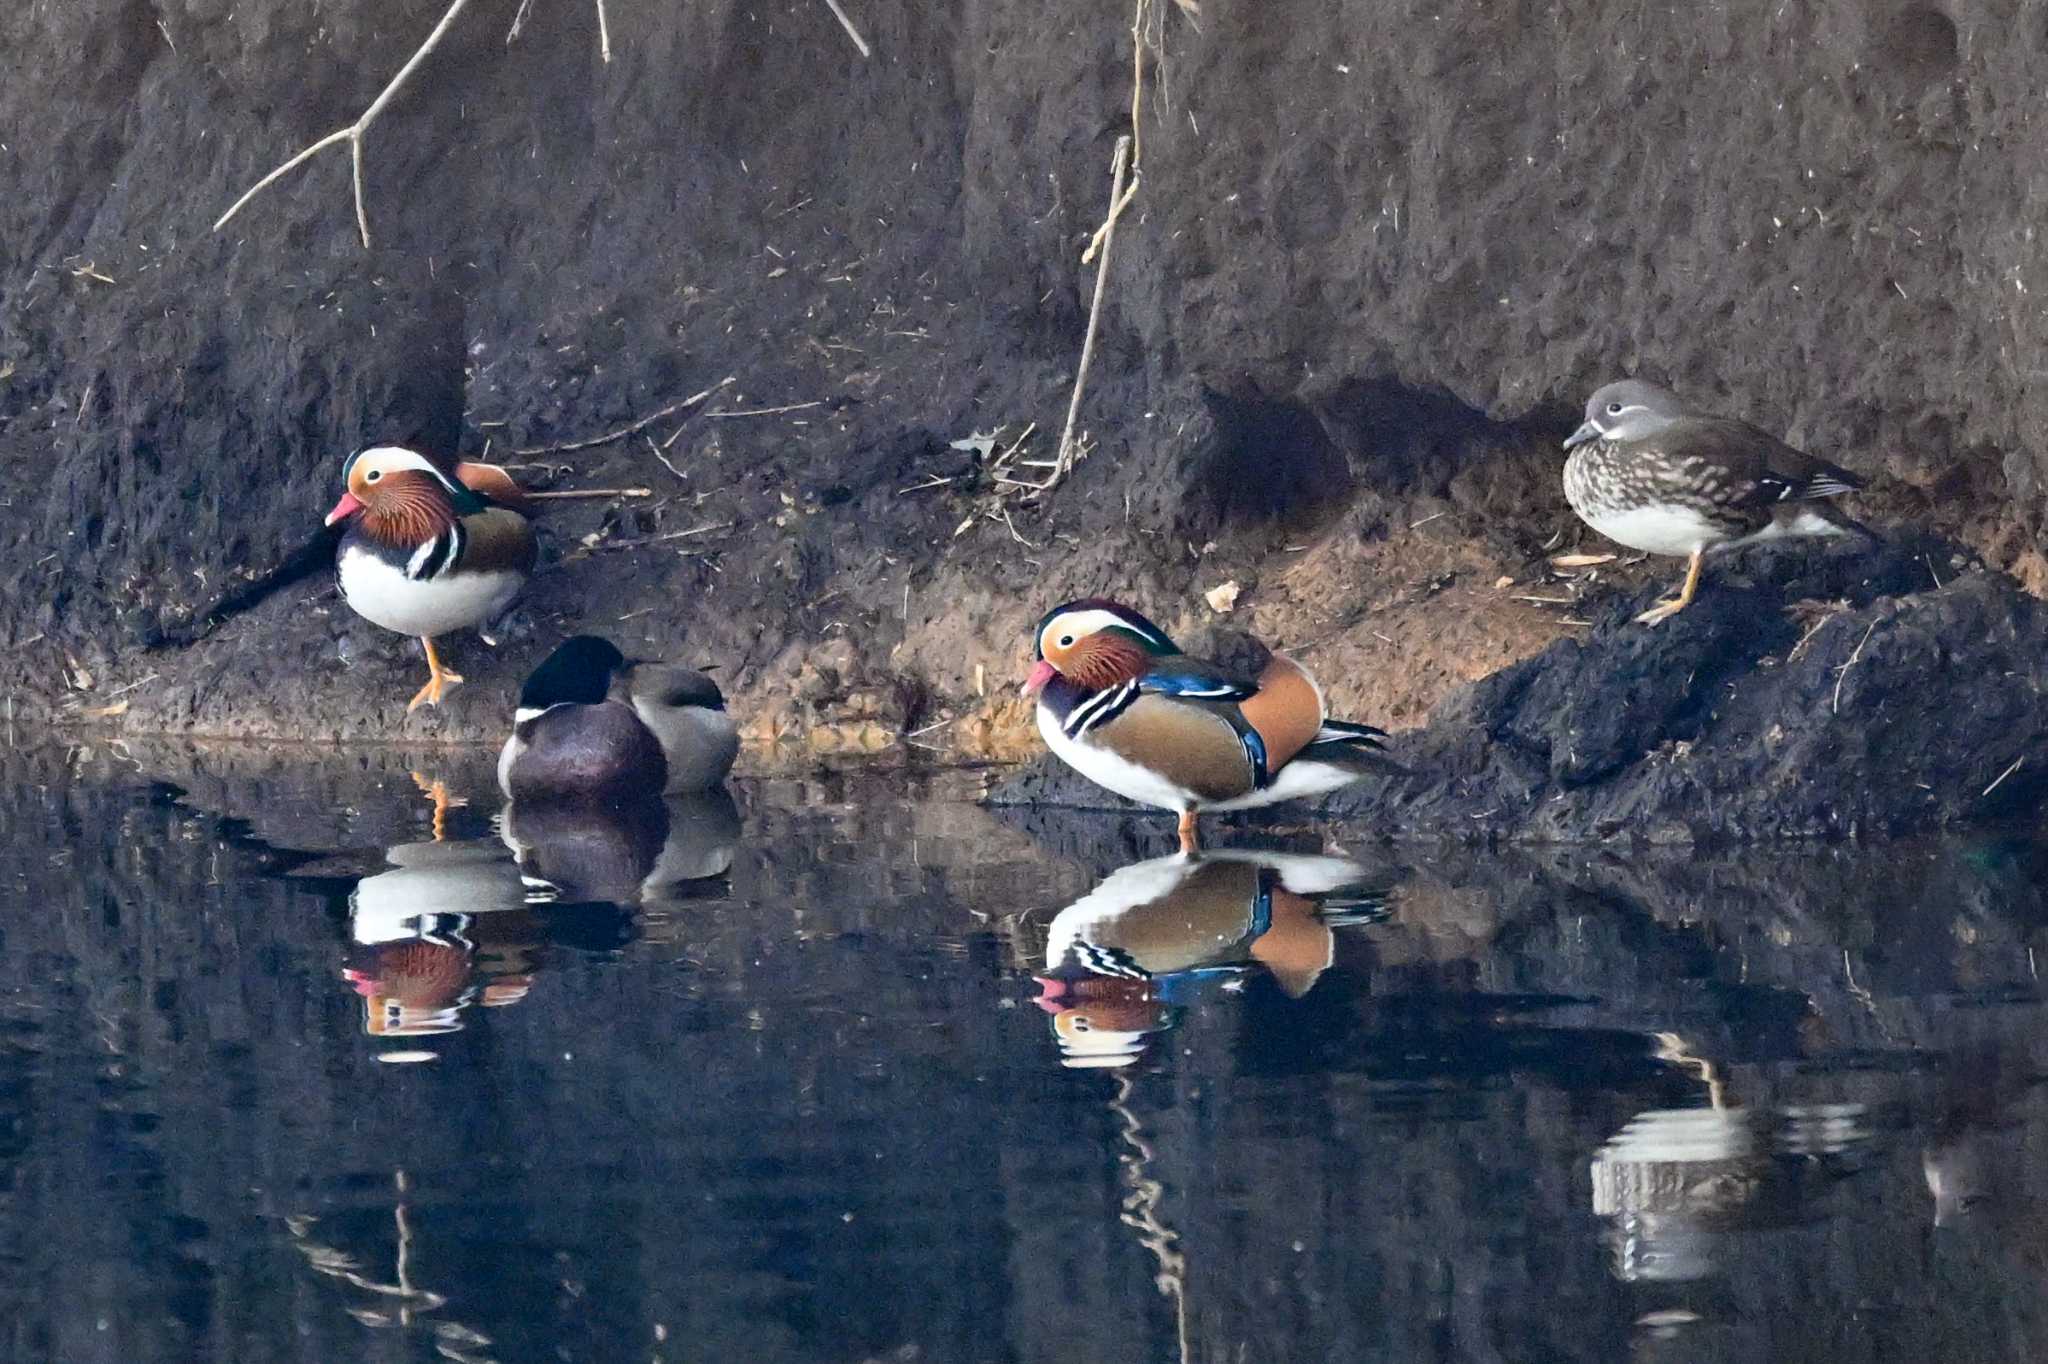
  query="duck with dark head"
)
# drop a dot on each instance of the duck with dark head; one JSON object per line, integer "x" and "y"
{"x": 595, "y": 725}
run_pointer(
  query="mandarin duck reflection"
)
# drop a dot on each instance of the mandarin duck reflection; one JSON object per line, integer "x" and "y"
{"x": 1122, "y": 705}
{"x": 415, "y": 930}
{"x": 1122, "y": 958}
{"x": 425, "y": 551}
{"x": 453, "y": 923}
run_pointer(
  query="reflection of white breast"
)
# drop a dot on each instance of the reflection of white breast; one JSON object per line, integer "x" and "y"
{"x": 432, "y": 878}
{"x": 1138, "y": 884}
{"x": 1129, "y": 889}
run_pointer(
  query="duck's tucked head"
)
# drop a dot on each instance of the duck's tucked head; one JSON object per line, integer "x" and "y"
{"x": 578, "y": 673}
{"x": 1633, "y": 409}
{"x": 402, "y": 498}
{"x": 1095, "y": 643}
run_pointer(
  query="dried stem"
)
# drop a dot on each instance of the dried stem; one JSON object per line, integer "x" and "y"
{"x": 845, "y": 23}
{"x": 1118, "y": 203}
{"x": 562, "y": 494}
{"x": 353, "y": 133}
{"x": 694, "y": 400}
{"x": 1118, "y": 163}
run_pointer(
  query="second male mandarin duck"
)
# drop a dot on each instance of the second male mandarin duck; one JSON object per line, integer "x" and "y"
{"x": 424, "y": 553}
{"x": 1123, "y": 706}
{"x": 593, "y": 724}
{"x": 1658, "y": 476}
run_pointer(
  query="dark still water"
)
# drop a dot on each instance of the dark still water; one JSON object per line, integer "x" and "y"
{"x": 850, "y": 1070}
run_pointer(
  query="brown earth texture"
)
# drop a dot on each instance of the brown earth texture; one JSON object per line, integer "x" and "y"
{"x": 1377, "y": 255}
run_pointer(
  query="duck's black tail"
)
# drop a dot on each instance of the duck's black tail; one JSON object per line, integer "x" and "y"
{"x": 1340, "y": 741}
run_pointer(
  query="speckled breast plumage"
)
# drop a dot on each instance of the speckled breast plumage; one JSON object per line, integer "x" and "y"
{"x": 1642, "y": 497}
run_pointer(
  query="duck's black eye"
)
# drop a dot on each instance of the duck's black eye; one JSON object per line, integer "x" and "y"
{"x": 1613, "y": 408}
{"x": 1066, "y": 641}
{"x": 373, "y": 476}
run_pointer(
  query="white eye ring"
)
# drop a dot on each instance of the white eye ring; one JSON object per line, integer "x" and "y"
{"x": 1613, "y": 408}
{"x": 1066, "y": 641}
{"x": 373, "y": 475}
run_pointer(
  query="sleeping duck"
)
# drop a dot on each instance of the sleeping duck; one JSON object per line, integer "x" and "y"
{"x": 592, "y": 724}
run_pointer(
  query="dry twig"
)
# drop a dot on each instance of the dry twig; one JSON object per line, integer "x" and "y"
{"x": 1843, "y": 671}
{"x": 353, "y": 133}
{"x": 763, "y": 411}
{"x": 2000, "y": 778}
{"x": 1118, "y": 163}
{"x": 837, "y": 13}
{"x": 591, "y": 492}
{"x": 660, "y": 539}
{"x": 694, "y": 400}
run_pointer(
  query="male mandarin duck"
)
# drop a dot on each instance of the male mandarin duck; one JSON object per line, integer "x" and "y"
{"x": 1121, "y": 958}
{"x": 592, "y": 724}
{"x": 1123, "y": 706}
{"x": 426, "y": 551}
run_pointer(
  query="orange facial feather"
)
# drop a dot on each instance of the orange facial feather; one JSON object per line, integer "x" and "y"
{"x": 1103, "y": 659}
{"x": 404, "y": 508}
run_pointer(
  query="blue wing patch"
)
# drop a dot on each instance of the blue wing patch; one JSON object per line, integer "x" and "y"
{"x": 1196, "y": 686}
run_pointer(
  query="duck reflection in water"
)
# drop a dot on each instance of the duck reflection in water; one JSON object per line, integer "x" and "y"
{"x": 1124, "y": 958}
{"x": 1981, "y": 1159}
{"x": 1679, "y": 1185}
{"x": 454, "y": 922}
{"x": 642, "y": 851}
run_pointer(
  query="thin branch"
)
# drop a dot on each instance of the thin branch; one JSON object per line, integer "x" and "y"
{"x": 604, "y": 35}
{"x": 660, "y": 539}
{"x": 563, "y": 494}
{"x": 1836, "y": 705}
{"x": 353, "y": 133}
{"x": 845, "y": 23}
{"x": 1118, "y": 163}
{"x": 664, "y": 459}
{"x": 1119, "y": 202}
{"x": 518, "y": 22}
{"x": 764, "y": 411}
{"x": 694, "y": 400}
{"x": 1995, "y": 784}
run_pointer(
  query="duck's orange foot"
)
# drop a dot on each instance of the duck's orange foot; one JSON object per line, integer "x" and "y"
{"x": 438, "y": 686}
{"x": 1190, "y": 836}
{"x": 436, "y": 790}
{"x": 440, "y": 681}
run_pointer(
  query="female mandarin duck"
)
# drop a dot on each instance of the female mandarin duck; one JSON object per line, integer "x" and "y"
{"x": 1128, "y": 710}
{"x": 426, "y": 551}
{"x": 593, "y": 725}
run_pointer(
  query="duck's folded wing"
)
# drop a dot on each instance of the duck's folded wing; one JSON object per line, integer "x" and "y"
{"x": 1195, "y": 679}
{"x": 1286, "y": 708}
{"x": 497, "y": 539}
{"x": 1774, "y": 471}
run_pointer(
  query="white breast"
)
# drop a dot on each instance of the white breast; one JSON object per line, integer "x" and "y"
{"x": 1111, "y": 772}
{"x": 1657, "y": 529}
{"x": 380, "y": 593}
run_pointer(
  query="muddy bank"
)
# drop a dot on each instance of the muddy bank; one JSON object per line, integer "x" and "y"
{"x": 1378, "y": 256}
{"x": 1807, "y": 693}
